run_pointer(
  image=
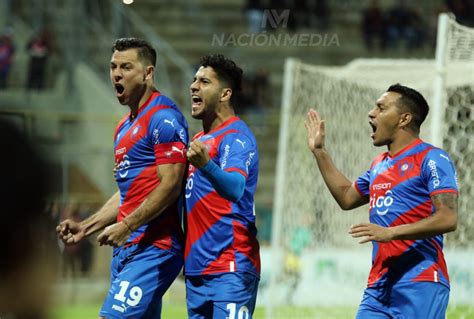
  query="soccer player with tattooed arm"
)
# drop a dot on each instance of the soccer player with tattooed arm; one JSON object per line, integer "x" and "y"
{"x": 412, "y": 194}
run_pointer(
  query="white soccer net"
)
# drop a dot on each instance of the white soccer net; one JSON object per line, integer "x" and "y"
{"x": 315, "y": 262}
{"x": 456, "y": 60}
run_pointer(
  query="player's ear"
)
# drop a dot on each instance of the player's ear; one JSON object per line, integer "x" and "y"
{"x": 226, "y": 94}
{"x": 149, "y": 71}
{"x": 406, "y": 119}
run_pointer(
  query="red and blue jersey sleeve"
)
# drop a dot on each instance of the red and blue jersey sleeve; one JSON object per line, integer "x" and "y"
{"x": 238, "y": 151}
{"x": 169, "y": 137}
{"x": 438, "y": 172}
{"x": 362, "y": 184}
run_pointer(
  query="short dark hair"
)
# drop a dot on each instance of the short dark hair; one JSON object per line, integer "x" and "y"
{"x": 146, "y": 53}
{"x": 227, "y": 71}
{"x": 413, "y": 101}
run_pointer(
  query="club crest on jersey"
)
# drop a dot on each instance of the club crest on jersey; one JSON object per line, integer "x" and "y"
{"x": 135, "y": 132}
{"x": 207, "y": 139}
{"x": 404, "y": 168}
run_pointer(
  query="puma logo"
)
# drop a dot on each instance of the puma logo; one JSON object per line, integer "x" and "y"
{"x": 175, "y": 149}
{"x": 444, "y": 156}
{"x": 169, "y": 122}
{"x": 242, "y": 143}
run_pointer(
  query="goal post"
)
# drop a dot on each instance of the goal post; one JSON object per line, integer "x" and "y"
{"x": 439, "y": 83}
{"x": 288, "y": 81}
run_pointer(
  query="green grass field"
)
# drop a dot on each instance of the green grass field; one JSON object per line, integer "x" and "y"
{"x": 89, "y": 311}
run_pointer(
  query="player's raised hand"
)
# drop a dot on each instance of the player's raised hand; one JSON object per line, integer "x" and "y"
{"x": 371, "y": 232}
{"x": 315, "y": 129}
{"x": 70, "y": 232}
{"x": 114, "y": 235}
{"x": 198, "y": 154}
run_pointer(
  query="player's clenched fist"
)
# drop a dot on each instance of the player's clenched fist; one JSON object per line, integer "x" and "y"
{"x": 114, "y": 235}
{"x": 70, "y": 232}
{"x": 198, "y": 154}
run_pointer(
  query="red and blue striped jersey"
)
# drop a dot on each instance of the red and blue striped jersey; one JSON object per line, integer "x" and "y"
{"x": 400, "y": 189}
{"x": 221, "y": 235}
{"x": 158, "y": 135}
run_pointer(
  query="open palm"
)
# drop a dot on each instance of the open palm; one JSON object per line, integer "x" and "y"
{"x": 315, "y": 129}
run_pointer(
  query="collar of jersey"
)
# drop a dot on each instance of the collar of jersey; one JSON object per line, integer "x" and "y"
{"x": 144, "y": 105}
{"x": 406, "y": 148}
{"x": 233, "y": 119}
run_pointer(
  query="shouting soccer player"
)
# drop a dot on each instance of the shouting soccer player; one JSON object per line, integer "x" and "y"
{"x": 142, "y": 220}
{"x": 222, "y": 261}
{"x": 412, "y": 195}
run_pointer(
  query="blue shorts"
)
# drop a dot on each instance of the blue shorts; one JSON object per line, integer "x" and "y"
{"x": 140, "y": 275}
{"x": 405, "y": 301}
{"x": 224, "y": 296}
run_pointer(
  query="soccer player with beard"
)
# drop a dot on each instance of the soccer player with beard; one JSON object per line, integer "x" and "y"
{"x": 222, "y": 261}
{"x": 412, "y": 195}
{"x": 142, "y": 220}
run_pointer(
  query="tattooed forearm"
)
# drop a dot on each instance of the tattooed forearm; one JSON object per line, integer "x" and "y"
{"x": 450, "y": 200}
